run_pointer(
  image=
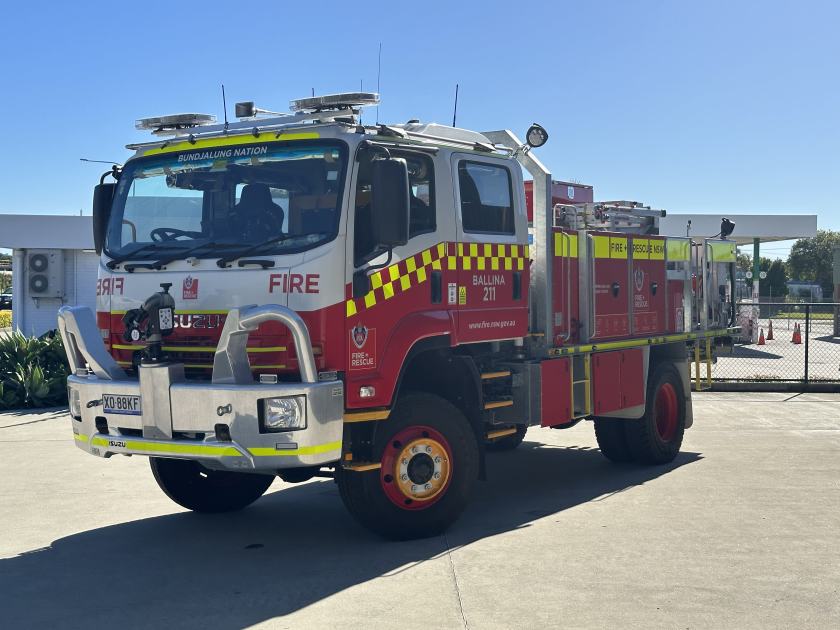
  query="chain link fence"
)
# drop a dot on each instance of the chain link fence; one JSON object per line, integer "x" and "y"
{"x": 782, "y": 342}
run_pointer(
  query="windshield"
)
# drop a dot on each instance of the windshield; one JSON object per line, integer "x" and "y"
{"x": 229, "y": 199}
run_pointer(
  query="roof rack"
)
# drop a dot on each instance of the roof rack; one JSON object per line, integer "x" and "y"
{"x": 613, "y": 216}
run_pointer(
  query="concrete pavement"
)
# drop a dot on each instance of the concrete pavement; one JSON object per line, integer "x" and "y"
{"x": 742, "y": 531}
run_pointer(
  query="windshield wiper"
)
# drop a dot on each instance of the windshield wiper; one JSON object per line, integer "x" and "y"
{"x": 224, "y": 260}
{"x": 118, "y": 259}
{"x": 195, "y": 248}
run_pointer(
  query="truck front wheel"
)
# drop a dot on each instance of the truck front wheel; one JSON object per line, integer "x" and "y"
{"x": 428, "y": 458}
{"x": 200, "y": 489}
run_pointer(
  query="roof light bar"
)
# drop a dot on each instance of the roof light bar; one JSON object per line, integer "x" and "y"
{"x": 171, "y": 124}
{"x": 335, "y": 101}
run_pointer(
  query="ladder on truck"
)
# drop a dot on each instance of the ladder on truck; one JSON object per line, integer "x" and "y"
{"x": 702, "y": 356}
{"x": 581, "y": 386}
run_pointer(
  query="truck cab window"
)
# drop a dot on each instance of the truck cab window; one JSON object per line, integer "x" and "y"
{"x": 486, "y": 198}
{"x": 421, "y": 196}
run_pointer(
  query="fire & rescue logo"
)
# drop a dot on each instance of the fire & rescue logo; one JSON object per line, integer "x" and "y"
{"x": 363, "y": 356}
{"x": 190, "y": 291}
{"x": 360, "y": 335}
{"x": 639, "y": 279}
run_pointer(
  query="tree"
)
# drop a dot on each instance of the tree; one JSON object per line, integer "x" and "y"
{"x": 811, "y": 259}
{"x": 775, "y": 283}
{"x": 743, "y": 262}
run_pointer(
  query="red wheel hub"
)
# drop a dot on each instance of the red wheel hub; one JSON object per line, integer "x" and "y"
{"x": 666, "y": 411}
{"x": 416, "y": 468}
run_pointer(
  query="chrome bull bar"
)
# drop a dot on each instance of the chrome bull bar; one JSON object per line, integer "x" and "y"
{"x": 173, "y": 407}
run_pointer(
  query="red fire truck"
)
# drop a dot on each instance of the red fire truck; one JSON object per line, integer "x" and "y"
{"x": 301, "y": 294}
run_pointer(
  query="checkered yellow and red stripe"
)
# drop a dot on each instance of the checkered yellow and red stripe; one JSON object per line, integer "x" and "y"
{"x": 415, "y": 270}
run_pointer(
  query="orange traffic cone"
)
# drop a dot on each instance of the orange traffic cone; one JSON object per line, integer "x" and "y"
{"x": 761, "y": 338}
{"x": 797, "y": 335}
{"x": 770, "y": 331}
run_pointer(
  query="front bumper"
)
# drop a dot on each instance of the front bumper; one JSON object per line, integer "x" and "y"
{"x": 181, "y": 419}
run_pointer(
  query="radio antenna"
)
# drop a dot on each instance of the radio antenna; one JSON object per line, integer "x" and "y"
{"x": 224, "y": 106}
{"x": 378, "y": 76}
{"x": 100, "y": 161}
{"x": 455, "y": 111}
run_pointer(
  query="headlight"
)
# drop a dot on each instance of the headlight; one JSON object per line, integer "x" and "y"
{"x": 282, "y": 414}
{"x": 75, "y": 403}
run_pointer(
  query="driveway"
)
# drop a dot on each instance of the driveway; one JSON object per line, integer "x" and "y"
{"x": 742, "y": 531}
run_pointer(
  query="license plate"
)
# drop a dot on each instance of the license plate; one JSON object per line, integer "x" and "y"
{"x": 121, "y": 403}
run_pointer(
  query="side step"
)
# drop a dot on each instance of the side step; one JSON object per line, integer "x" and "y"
{"x": 363, "y": 466}
{"x": 500, "y": 374}
{"x": 496, "y": 404}
{"x": 500, "y": 433}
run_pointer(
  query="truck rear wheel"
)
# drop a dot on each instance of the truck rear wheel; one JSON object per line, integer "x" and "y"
{"x": 200, "y": 489}
{"x": 429, "y": 462}
{"x": 656, "y": 437}
{"x": 612, "y": 440}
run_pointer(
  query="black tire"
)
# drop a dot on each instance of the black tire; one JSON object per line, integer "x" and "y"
{"x": 365, "y": 495}
{"x": 508, "y": 442}
{"x": 647, "y": 441}
{"x": 610, "y": 433}
{"x": 200, "y": 489}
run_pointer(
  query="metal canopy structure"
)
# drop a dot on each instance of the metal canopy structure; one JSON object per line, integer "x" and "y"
{"x": 751, "y": 229}
{"x": 748, "y": 227}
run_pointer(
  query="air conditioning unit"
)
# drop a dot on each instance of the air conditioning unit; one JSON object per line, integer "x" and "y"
{"x": 45, "y": 273}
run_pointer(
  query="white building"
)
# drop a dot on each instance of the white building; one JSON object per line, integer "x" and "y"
{"x": 53, "y": 263}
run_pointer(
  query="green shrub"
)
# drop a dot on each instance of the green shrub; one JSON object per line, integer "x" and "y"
{"x": 33, "y": 371}
{"x": 5, "y": 319}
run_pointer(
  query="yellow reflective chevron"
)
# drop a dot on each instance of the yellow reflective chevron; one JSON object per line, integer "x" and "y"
{"x": 678, "y": 249}
{"x": 565, "y": 245}
{"x": 213, "y": 450}
{"x": 722, "y": 252}
{"x": 170, "y": 447}
{"x": 609, "y": 246}
{"x": 657, "y": 249}
{"x": 207, "y": 349}
{"x": 415, "y": 270}
{"x": 317, "y": 449}
{"x": 641, "y": 248}
{"x": 264, "y": 138}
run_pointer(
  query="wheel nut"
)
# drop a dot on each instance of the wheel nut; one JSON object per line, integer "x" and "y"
{"x": 428, "y": 449}
{"x": 437, "y": 459}
{"x": 404, "y": 461}
{"x": 437, "y": 475}
{"x": 404, "y": 477}
{"x": 428, "y": 486}
{"x": 413, "y": 449}
{"x": 414, "y": 488}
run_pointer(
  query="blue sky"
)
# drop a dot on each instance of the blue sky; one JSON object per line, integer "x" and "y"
{"x": 694, "y": 107}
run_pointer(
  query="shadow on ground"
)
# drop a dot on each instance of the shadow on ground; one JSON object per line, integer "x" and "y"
{"x": 827, "y": 339}
{"x": 291, "y": 549}
{"x": 749, "y": 352}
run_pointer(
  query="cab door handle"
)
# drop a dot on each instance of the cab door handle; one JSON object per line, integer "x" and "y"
{"x": 437, "y": 287}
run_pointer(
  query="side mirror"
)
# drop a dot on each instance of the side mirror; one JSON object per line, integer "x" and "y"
{"x": 103, "y": 198}
{"x": 389, "y": 204}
